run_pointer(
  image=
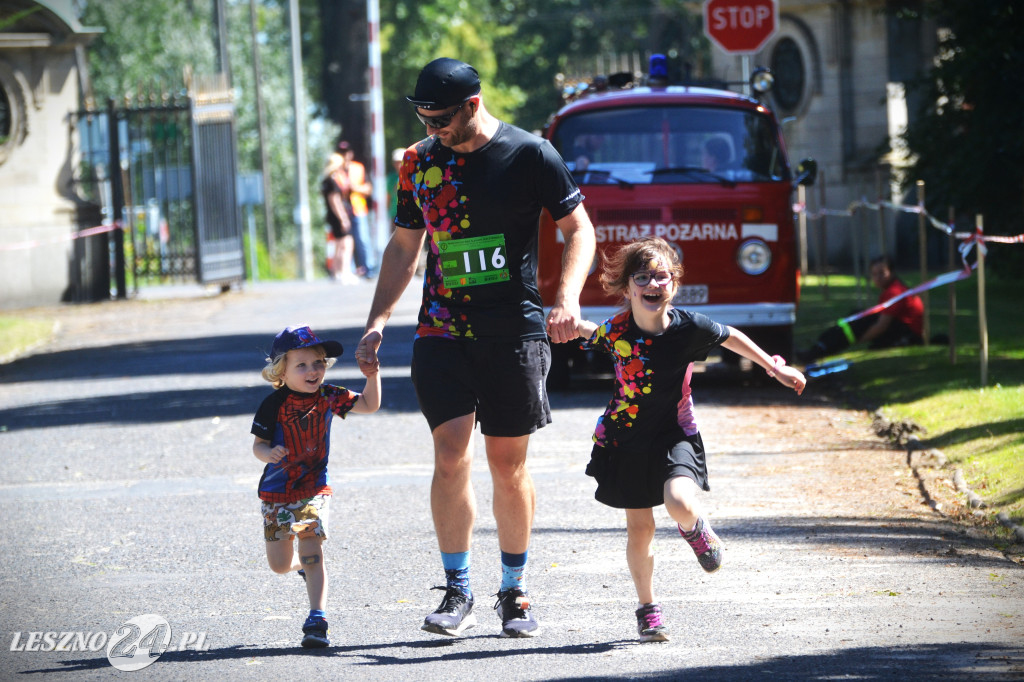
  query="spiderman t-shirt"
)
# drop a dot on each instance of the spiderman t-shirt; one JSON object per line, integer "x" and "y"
{"x": 652, "y": 404}
{"x": 300, "y": 422}
{"x": 481, "y": 213}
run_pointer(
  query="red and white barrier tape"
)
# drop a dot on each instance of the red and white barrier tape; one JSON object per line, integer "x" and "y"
{"x": 941, "y": 280}
{"x": 874, "y": 206}
{"x": 88, "y": 232}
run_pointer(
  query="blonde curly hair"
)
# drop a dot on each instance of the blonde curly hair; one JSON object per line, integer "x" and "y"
{"x": 275, "y": 369}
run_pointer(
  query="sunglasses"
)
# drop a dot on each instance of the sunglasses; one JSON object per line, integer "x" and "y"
{"x": 643, "y": 278}
{"x": 440, "y": 121}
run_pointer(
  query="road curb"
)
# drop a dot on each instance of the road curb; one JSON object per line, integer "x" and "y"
{"x": 904, "y": 433}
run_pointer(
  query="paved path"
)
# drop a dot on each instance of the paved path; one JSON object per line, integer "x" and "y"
{"x": 127, "y": 485}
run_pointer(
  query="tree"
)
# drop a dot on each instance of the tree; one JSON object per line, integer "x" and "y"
{"x": 148, "y": 48}
{"x": 968, "y": 138}
{"x": 517, "y": 45}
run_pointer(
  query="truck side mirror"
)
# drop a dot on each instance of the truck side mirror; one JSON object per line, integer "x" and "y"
{"x": 806, "y": 172}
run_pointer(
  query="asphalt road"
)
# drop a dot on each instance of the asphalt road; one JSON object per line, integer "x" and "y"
{"x": 127, "y": 486}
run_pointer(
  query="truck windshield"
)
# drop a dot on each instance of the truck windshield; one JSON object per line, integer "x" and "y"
{"x": 670, "y": 145}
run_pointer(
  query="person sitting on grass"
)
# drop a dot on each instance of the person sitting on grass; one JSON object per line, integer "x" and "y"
{"x": 898, "y": 325}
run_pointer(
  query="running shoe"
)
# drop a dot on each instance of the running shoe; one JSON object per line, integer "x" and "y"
{"x": 513, "y": 607}
{"x": 705, "y": 545}
{"x": 315, "y": 633}
{"x": 453, "y": 616}
{"x": 649, "y": 625}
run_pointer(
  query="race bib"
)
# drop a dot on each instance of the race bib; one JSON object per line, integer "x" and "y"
{"x": 473, "y": 261}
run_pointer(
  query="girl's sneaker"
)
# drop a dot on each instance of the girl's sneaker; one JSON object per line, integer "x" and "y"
{"x": 649, "y": 625}
{"x": 705, "y": 545}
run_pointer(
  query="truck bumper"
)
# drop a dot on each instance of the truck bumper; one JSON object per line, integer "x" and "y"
{"x": 734, "y": 315}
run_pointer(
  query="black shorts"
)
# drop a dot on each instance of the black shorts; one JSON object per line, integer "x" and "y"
{"x": 337, "y": 229}
{"x": 503, "y": 382}
{"x": 635, "y": 479}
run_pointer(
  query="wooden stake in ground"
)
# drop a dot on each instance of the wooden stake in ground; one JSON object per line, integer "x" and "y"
{"x": 982, "y": 318}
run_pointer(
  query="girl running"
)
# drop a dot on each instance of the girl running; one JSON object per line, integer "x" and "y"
{"x": 647, "y": 448}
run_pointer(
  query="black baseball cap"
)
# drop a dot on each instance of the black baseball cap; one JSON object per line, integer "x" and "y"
{"x": 302, "y": 337}
{"x": 444, "y": 83}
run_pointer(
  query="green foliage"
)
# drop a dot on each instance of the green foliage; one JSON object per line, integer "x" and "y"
{"x": 968, "y": 138}
{"x": 519, "y": 46}
{"x": 151, "y": 48}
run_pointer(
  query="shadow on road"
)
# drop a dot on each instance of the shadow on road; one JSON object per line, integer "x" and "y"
{"x": 234, "y": 353}
{"x": 172, "y": 406}
{"x": 977, "y": 661}
{"x": 203, "y": 355}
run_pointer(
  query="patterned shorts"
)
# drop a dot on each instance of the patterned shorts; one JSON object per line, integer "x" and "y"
{"x": 305, "y": 518}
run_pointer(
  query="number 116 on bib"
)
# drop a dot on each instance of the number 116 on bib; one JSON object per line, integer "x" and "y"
{"x": 474, "y": 261}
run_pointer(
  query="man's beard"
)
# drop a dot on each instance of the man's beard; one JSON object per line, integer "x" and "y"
{"x": 459, "y": 135}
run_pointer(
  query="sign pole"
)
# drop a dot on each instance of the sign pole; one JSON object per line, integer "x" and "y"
{"x": 381, "y": 214}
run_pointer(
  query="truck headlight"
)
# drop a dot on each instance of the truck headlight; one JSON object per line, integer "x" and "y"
{"x": 753, "y": 256}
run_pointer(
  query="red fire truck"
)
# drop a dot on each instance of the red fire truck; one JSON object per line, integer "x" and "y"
{"x": 706, "y": 169}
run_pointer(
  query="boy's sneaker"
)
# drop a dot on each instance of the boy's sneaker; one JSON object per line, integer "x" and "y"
{"x": 453, "y": 616}
{"x": 649, "y": 625}
{"x": 315, "y": 633}
{"x": 513, "y": 608}
{"x": 705, "y": 545}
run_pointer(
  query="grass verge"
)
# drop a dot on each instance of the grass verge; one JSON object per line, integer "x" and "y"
{"x": 979, "y": 428}
{"x": 17, "y": 335}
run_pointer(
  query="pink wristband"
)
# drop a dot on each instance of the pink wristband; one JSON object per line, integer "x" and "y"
{"x": 778, "y": 361}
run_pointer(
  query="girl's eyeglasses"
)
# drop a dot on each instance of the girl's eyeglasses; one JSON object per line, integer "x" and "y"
{"x": 643, "y": 278}
{"x": 440, "y": 121}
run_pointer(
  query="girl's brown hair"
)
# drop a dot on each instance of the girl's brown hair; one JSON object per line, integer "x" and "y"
{"x": 620, "y": 265}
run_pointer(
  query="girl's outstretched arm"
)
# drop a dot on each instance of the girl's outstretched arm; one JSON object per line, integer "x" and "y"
{"x": 740, "y": 343}
{"x": 585, "y": 329}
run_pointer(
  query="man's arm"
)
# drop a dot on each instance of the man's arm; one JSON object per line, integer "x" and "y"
{"x": 397, "y": 267}
{"x": 577, "y": 256}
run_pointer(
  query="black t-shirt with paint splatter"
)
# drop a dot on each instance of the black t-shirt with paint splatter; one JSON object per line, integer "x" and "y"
{"x": 481, "y": 213}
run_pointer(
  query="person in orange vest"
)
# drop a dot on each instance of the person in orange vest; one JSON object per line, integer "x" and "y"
{"x": 360, "y": 190}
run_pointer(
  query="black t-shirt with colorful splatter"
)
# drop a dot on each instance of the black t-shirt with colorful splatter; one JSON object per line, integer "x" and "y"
{"x": 652, "y": 405}
{"x": 481, "y": 213}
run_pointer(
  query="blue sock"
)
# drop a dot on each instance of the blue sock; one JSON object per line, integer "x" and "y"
{"x": 316, "y": 613}
{"x": 456, "y": 570}
{"x": 513, "y": 570}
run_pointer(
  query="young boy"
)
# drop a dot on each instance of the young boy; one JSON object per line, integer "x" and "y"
{"x": 292, "y": 432}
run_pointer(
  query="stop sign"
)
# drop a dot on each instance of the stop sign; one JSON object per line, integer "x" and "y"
{"x": 739, "y": 26}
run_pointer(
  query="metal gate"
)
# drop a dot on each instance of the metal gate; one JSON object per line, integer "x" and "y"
{"x": 173, "y": 186}
{"x": 221, "y": 255}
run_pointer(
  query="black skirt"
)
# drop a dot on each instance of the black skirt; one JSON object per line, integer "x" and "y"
{"x": 635, "y": 479}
